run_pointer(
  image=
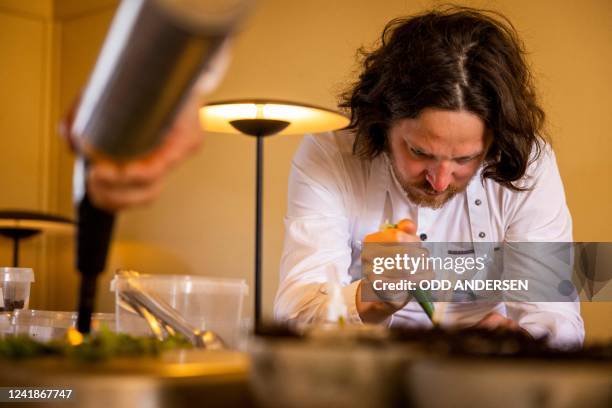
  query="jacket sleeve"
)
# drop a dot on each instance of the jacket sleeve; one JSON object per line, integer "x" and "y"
{"x": 316, "y": 234}
{"x": 541, "y": 215}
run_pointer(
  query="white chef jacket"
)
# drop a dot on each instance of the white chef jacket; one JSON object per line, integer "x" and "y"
{"x": 336, "y": 198}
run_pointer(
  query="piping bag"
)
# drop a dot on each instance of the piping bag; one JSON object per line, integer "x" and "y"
{"x": 422, "y": 297}
{"x": 337, "y": 312}
{"x": 152, "y": 56}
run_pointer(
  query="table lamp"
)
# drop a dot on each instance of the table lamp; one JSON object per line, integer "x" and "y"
{"x": 261, "y": 118}
{"x": 20, "y": 224}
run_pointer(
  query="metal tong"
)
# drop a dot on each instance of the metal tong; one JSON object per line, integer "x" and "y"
{"x": 162, "y": 318}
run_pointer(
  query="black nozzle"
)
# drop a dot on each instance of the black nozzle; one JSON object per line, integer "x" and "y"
{"x": 95, "y": 228}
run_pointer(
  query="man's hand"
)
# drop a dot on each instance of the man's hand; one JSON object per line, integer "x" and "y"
{"x": 390, "y": 301}
{"x": 494, "y": 321}
{"x": 114, "y": 186}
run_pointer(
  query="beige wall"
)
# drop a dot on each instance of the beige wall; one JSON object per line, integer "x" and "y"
{"x": 22, "y": 87}
{"x": 296, "y": 50}
{"x": 46, "y": 50}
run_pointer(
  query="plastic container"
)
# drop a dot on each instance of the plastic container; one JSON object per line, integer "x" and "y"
{"x": 45, "y": 325}
{"x": 206, "y": 303}
{"x": 5, "y": 324}
{"x": 15, "y": 288}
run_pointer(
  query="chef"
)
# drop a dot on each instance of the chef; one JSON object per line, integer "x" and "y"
{"x": 446, "y": 131}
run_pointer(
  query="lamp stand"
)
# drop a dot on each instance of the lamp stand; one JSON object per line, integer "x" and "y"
{"x": 258, "y": 226}
{"x": 259, "y": 128}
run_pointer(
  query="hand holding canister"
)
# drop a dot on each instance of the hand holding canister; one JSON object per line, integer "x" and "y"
{"x": 152, "y": 57}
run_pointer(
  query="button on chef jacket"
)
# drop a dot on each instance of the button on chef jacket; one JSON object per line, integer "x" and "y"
{"x": 336, "y": 198}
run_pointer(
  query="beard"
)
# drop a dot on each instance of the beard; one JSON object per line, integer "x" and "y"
{"x": 422, "y": 194}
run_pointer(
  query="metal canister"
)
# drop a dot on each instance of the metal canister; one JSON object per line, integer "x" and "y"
{"x": 154, "y": 52}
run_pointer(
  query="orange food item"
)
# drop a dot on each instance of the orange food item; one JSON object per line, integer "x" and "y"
{"x": 408, "y": 226}
{"x": 386, "y": 235}
{"x": 391, "y": 232}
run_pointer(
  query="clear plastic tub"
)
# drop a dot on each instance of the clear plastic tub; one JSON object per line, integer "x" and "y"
{"x": 206, "y": 303}
{"x": 45, "y": 325}
{"x": 5, "y": 324}
{"x": 15, "y": 288}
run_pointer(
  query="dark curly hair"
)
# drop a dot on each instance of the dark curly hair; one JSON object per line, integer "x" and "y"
{"x": 453, "y": 58}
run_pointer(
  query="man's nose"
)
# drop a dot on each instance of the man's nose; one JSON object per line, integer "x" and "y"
{"x": 440, "y": 176}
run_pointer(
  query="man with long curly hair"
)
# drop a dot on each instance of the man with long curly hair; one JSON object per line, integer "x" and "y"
{"x": 445, "y": 131}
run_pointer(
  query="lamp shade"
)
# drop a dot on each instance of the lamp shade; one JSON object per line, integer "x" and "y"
{"x": 302, "y": 118}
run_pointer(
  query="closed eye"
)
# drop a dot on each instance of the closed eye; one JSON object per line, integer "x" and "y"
{"x": 466, "y": 159}
{"x": 420, "y": 154}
